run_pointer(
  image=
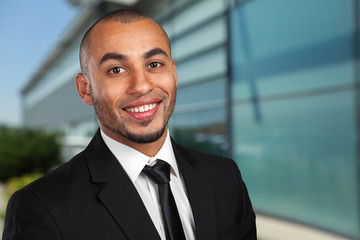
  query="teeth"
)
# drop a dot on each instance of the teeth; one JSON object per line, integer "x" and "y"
{"x": 142, "y": 109}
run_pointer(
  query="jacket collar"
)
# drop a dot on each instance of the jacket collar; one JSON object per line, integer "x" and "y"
{"x": 119, "y": 191}
{"x": 119, "y": 195}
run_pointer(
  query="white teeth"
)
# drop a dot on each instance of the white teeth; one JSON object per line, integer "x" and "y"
{"x": 141, "y": 109}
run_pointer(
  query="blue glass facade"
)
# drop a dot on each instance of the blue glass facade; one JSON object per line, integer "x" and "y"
{"x": 294, "y": 109}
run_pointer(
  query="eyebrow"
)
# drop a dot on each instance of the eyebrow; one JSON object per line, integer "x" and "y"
{"x": 119, "y": 56}
{"x": 110, "y": 56}
{"x": 154, "y": 52}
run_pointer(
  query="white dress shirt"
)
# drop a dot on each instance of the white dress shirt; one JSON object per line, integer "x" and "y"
{"x": 133, "y": 163}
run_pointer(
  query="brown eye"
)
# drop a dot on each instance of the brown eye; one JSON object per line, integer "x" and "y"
{"x": 154, "y": 65}
{"x": 116, "y": 70}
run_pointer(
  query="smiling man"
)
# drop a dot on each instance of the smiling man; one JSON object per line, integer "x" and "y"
{"x": 132, "y": 181}
{"x": 130, "y": 78}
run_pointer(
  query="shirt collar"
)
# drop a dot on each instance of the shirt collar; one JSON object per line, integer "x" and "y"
{"x": 134, "y": 161}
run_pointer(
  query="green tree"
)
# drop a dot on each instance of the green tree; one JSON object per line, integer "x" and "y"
{"x": 24, "y": 151}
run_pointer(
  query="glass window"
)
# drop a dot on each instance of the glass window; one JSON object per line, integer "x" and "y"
{"x": 281, "y": 46}
{"x": 294, "y": 109}
{"x": 204, "y": 131}
{"x": 299, "y": 161}
{"x": 205, "y": 37}
{"x": 208, "y": 91}
{"x": 204, "y": 66}
{"x": 198, "y": 13}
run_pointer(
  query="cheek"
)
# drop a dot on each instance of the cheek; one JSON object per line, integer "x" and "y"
{"x": 108, "y": 93}
{"x": 169, "y": 85}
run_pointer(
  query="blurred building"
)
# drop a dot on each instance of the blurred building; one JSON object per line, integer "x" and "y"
{"x": 272, "y": 84}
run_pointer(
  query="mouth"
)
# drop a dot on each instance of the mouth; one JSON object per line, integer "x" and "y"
{"x": 142, "y": 110}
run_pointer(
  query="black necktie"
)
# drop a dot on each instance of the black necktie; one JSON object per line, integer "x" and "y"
{"x": 160, "y": 174}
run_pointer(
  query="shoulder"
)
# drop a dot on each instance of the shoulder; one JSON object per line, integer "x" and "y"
{"x": 35, "y": 208}
{"x": 50, "y": 198}
{"x": 62, "y": 179}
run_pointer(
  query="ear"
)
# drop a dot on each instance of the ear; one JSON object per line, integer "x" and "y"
{"x": 83, "y": 87}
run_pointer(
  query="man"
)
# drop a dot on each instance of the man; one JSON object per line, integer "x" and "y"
{"x": 108, "y": 191}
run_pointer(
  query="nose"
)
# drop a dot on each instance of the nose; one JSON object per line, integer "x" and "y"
{"x": 140, "y": 82}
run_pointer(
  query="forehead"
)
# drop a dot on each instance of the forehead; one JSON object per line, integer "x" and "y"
{"x": 129, "y": 39}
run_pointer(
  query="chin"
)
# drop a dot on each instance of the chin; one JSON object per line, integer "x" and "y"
{"x": 145, "y": 138}
{"x": 141, "y": 135}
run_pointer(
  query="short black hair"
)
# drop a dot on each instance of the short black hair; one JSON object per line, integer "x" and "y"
{"x": 125, "y": 16}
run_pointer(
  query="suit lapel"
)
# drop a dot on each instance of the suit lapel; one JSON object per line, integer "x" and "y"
{"x": 119, "y": 195}
{"x": 200, "y": 194}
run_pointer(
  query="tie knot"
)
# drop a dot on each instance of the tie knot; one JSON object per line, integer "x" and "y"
{"x": 159, "y": 173}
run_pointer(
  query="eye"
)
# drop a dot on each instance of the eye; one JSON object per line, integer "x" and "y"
{"x": 116, "y": 70}
{"x": 155, "y": 65}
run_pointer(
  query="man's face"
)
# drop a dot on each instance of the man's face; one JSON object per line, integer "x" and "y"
{"x": 132, "y": 80}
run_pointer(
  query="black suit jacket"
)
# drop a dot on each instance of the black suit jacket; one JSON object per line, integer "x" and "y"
{"x": 91, "y": 197}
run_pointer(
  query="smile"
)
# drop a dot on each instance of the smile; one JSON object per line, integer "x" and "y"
{"x": 141, "y": 109}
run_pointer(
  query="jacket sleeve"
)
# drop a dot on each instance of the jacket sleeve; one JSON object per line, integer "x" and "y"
{"x": 28, "y": 218}
{"x": 247, "y": 220}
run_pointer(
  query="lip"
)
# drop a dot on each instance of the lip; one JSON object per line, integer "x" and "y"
{"x": 143, "y": 109}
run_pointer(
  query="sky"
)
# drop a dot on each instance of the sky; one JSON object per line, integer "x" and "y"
{"x": 28, "y": 31}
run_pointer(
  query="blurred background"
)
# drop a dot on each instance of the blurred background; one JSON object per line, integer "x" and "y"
{"x": 273, "y": 84}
